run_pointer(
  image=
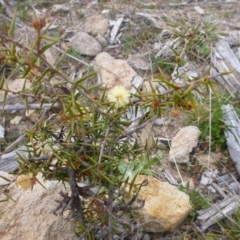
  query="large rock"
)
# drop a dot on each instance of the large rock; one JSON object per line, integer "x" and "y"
{"x": 29, "y": 215}
{"x": 96, "y": 24}
{"x": 85, "y": 44}
{"x": 114, "y": 72}
{"x": 164, "y": 203}
{"x": 183, "y": 143}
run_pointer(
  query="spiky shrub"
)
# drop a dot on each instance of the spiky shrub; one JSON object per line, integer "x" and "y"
{"x": 82, "y": 137}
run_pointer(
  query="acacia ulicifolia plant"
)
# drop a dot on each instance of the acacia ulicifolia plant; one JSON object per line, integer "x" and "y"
{"x": 84, "y": 139}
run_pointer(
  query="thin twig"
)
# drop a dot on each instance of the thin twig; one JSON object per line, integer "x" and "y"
{"x": 9, "y": 98}
{"x": 54, "y": 70}
{"x": 20, "y": 107}
{"x": 18, "y": 23}
{"x": 72, "y": 57}
{"x": 194, "y": 83}
{"x": 21, "y": 24}
{"x": 76, "y": 201}
{"x": 130, "y": 132}
{"x": 110, "y": 212}
{"x": 103, "y": 145}
{"x": 6, "y": 8}
{"x": 14, "y": 144}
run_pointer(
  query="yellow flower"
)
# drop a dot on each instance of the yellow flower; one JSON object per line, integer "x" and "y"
{"x": 25, "y": 181}
{"x": 119, "y": 95}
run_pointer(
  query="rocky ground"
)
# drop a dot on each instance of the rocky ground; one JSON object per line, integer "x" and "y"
{"x": 135, "y": 43}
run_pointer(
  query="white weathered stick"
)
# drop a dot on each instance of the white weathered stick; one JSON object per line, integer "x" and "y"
{"x": 14, "y": 144}
{"x": 115, "y": 30}
{"x": 2, "y": 131}
{"x": 224, "y": 60}
{"x": 232, "y": 133}
{"x": 8, "y": 161}
{"x": 218, "y": 211}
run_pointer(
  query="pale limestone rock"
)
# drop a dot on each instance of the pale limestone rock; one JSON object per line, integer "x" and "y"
{"x": 5, "y": 178}
{"x": 207, "y": 161}
{"x": 30, "y": 215}
{"x": 18, "y": 85}
{"x": 114, "y": 72}
{"x": 199, "y": 10}
{"x": 96, "y": 24}
{"x": 52, "y": 55}
{"x": 15, "y": 86}
{"x": 183, "y": 143}
{"x": 60, "y": 8}
{"x": 164, "y": 203}
{"x": 16, "y": 120}
{"x": 85, "y": 44}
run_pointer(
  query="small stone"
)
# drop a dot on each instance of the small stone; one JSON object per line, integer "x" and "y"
{"x": 16, "y": 120}
{"x": 96, "y": 24}
{"x": 199, "y": 10}
{"x": 15, "y": 86}
{"x": 52, "y": 55}
{"x": 60, "y": 8}
{"x": 85, "y": 44}
{"x": 164, "y": 203}
{"x": 208, "y": 177}
{"x": 102, "y": 40}
{"x": 138, "y": 62}
{"x": 189, "y": 183}
{"x": 105, "y": 11}
{"x": 207, "y": 161}
{"x": 113, "y": 72}
{"x": 26, "y": 36}
{"x": 28, "y": 113}
{"x": 32, "y": 115}
{"x": 183, "y": 143}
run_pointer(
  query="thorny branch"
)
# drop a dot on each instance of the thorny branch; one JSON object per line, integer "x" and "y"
{"x": 76, "y": 201}
{"x": 70, "y": 203}
{"x": 128, "y": 207}
{"x": 193, "y": 83}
